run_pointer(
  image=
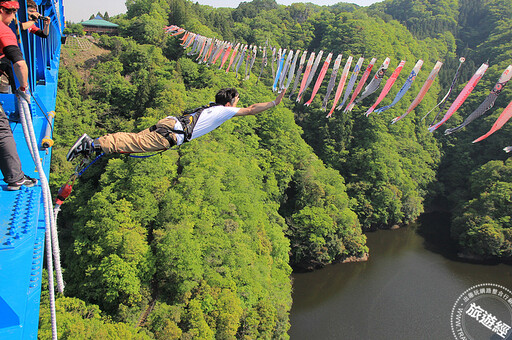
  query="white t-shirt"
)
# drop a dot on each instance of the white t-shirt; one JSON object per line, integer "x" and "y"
{"x": 210, "y": 119}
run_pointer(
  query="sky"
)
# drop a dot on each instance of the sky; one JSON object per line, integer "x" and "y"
{"x": 77, "y": 10}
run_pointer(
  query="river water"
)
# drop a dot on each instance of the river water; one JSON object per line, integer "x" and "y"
{"x": 406, "y": 290}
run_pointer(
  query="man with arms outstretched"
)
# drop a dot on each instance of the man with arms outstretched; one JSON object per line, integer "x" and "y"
{"x": 171, "y": 130}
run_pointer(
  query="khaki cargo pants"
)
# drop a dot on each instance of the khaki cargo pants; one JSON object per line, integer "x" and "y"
{"x": 144, "y": 141}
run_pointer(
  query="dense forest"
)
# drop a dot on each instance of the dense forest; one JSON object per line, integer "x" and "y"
{"x": 200, "y": 241}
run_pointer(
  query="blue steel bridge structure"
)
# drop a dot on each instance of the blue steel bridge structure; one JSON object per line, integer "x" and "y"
{"x": 22, "y": 218}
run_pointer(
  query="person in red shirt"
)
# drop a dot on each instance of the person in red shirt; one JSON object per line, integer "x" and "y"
{"x": 33, "y": 15}
{"x": 10, "y": 164}
{"x": 6, "y": 74}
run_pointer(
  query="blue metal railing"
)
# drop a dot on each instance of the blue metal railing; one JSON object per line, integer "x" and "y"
{"x": 22, "y": 224}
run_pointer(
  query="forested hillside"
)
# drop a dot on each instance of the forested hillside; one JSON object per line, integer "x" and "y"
{"x": 200, "y": 241}
{"x": 478, "y": 196}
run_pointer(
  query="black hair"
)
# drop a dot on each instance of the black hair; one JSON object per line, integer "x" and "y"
{"x": 226, "y": 95}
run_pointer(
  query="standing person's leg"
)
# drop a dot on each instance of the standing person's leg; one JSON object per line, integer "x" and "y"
{"x": 10, "y": 163}
{"x": 7, "y": 75}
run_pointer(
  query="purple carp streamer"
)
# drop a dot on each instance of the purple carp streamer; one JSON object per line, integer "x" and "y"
{"x": 299, "y": 72}
{"x": 373, "y": 85}
{"x": 332, "y": 81}
{"x": 351, "y": 82}
{"x": 405, "y": 87}
{"x": 341, "y": 84}
{"x": 462, "y": 96}
{"x": 362, "y": 81}
{"x": 320, "y": 78}
{"x": 387, "y": 87}
{"x": 442, "y": 102}
{"x": 424, "y": 89}
{"x": 488, "y": 103}
{"x": 502, "y": 119}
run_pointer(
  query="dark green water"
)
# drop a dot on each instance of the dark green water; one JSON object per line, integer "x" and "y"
{"x": 405, "y": 291}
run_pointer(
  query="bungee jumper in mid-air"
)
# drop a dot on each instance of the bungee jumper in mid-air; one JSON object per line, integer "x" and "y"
{"x": 171, "y": 130}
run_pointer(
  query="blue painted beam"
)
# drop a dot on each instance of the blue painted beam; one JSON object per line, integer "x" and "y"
{"x": 22, "y": 220}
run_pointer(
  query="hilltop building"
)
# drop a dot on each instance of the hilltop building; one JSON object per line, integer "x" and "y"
{"x": 100, "y": 26}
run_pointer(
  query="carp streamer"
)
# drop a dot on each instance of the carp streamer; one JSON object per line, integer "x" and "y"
{"x": 502, "y": 119}
{"x": 462, "y": 96}
{"x": 442, "y": 102}
{"x": 341, "y": 84}
{"x": 488, "y": 103}
{"x": 320, "y": 78}
{"x": 351, "y": 82}
{"x": 299, "y": 72}
{"x": 387, "y": 87}
{"x": 405, "y": 87}
{"x": 365, "y": 76}
{"x": 305, "y": 77}
{"x": 210, "y": 50}
{"x": 424, "y": 89}
{"x": 373, "y": 85}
